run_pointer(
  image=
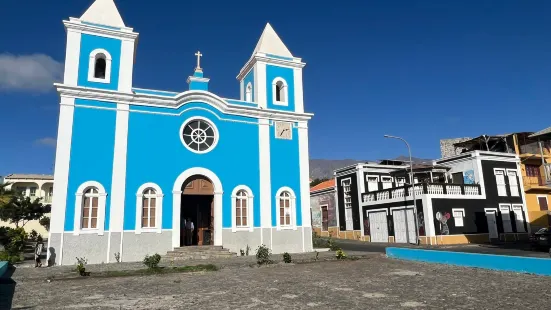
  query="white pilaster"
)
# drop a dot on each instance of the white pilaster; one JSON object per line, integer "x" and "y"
{"x": 299, "y": 95}
{"x": 361, "y": 187}
{"x": 241, "y": 90}
{"x": 127, "y": 65}
{"x": 61, "y": 172}
{"x": 118, "y": 181}
{"x": 304, "y": 165}
{"x": 265, "y": 173}
{"x": 176, "y": 212}
{"x": 218, "y": 218}
{"x": 260, "y": 92}
{"x": 72, "y": 56}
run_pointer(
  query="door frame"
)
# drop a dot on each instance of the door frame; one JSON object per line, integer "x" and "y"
{"x": 321, "y": 211}
{"x": 370, "y": 226}
{"x": 494, "y": 211}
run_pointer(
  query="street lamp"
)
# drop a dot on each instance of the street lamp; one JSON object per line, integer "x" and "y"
{"x": 412, "y": 184}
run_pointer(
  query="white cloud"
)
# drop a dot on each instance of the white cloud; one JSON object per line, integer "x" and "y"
{"x": 35, "y": 72}
{"x": 46, "y": 141}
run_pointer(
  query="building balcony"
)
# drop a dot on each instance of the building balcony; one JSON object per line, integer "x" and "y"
{"x": 445, "y": 189}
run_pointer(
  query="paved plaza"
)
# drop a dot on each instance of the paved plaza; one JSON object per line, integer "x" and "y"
{"x": 371, "y": 283}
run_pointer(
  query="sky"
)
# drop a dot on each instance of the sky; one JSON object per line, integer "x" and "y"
{"x": 421, "y": 70}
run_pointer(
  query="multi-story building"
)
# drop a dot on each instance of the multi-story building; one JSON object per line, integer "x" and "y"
{"x": 34, "y": 186}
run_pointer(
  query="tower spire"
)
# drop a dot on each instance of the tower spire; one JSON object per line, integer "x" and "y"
{"x": 103, "y": 12}
{"x": 270, "y": 43}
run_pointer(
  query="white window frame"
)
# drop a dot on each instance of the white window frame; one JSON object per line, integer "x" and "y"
{"x": 292, "y": 207}
{"x": 250, "y": 208}
{"x": 158, "y": 209}
{"x": 516, "y": 191}
{"x": 77, "y": 230}
{"x": 348, "y": 216}
{"x": 501, "y": 171}
{"x": 455, "y": 218}
{"x": 31, "y": 192}
{"x": 506, "y": 207}
{"x": 367, "y": 180}
{"x": 401, "y": 181}
{"x": 92, "y": 66}
{"x": 285, "y": 101}
{"x": 249, "y": 92}
{"x": 388, "y": 181}
{"x": 518, "y": 210}
{"x": 210, "y": 123}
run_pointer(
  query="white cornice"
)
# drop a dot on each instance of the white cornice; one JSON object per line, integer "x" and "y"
{"x": 259, "y": 57}
{"x": 123, "y": 33}
{"x": 178, "y": 101}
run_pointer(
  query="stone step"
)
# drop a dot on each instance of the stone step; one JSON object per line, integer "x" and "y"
{"x": 205, "y": 252}
{"x": 199, "y": 252}
{"x": 194, "y": 257}
{"x": 200, "y": 248}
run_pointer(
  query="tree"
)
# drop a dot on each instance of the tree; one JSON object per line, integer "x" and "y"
{"x": 45, "y": 222}
{"x": 317, "y": 181}
{"x": 20, "y": 210}
{"x": 5, "y": 194}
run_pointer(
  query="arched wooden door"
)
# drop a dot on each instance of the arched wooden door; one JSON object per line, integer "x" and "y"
{"x": 197, "y": 205}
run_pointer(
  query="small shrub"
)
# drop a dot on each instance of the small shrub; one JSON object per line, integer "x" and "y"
{"x": 152, "y": 262}
{"x": 118, "y": 257}
{"x": 45, "y": 222}
{"x": 263, "y": 255}
{"x": 15, "y": 241}
{"x": 287, "y": 258}
{"x": 12, "y": 259}
{"x": 242, "y": 252}
{"x": 81, "y": 263}
{"x": 33, "y": 235}
{"x": 340, "y": 254}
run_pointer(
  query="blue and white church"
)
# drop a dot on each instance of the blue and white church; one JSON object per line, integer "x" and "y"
{"x": 133, "y": 164}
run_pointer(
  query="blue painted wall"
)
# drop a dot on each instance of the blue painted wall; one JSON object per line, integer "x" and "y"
{"x": 249, "y": 78}
{"x": 156, "y": 154}
{"x": 87, "y": 45}
{"x": 92, "y": 149}
{"x": 285, "y": 171}
{"x": 288, "y": 75}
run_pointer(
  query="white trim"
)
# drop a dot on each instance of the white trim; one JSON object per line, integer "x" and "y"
{"x": 504, "y": 174}
{"x": 250, "y": 208}
{"x": 260, "y": 85}
{"x": 361, "y": 189}
{"x": 100, "y": 226}
{"x": 158, "y": 208}
{"x": 521, "y": 207}
{"x": 177, "y": 199}
{"x": 517, "y": 180}
{"x": 299, "y": 92}
{"x": 265, "y": 189}
{"x": 125, "y": 33}
{"x": 292, "y": 206}
{"x": 210, "y": 123}
{"x": 462, "y": 210}
{"x": 72, "y": 57}
{"x": 487, "y": 210}
{"x": 502, "y": 207}
{"x": 285, "y": 95}
{"x": 260, "y": 59}
{"x": 92, "y": 66}
{"x": 304, "y": 173}
{"x": 249, "y": 92}
{"x": 376, "y": 210}
{"x": 181, "y": 99}
{"x": 392, "y": 209}
{"x": 126, "y": 65}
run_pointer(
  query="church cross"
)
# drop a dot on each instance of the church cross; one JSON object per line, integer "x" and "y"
{"x": 198, "y": 54}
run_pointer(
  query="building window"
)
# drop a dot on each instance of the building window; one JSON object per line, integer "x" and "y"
{"x": 517, "y": 210}
{"x": 249, "y": 92}
{"x": 542, "y": 201}
{"x": 513, "y": 182}
{"x": 500, "y": 180}
{"x": 458, "y": 215}
{"x": 285, "y": 209}
{"x": 506, "y": 217}
{"x": 346, "y": 189}
{"x": 387, "y": 182}
{"x": 241, "y": 209}
{"x": 324, "y": 218}
{"x": 21, "y": 190}
{"x": 280, "y": 92}
{"x": 199, "y": 135}
{"x": 148, "y": 208}
{"x": 99, "y": 66}
{"x": 532, "y": 171}
{"x": 372, "y": 183}
{"x": 400, "y": 181}
{"x": 33, "y": 192}
{"x": 90, "y": 208}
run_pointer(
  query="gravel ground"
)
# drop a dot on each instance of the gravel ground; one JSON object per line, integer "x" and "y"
{"x": 373, "y": 283}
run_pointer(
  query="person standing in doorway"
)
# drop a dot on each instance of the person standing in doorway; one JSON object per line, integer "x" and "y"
{"x": 189, "y": 231}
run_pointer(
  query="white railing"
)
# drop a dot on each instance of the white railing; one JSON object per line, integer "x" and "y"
{"x": 423, "y": 189}
{"x": 471, "y": 190}
{"x": 435, "y": 189}
{"x": 453, "y": 190}
{"x": 398, "y": 193}
{"x": 383, "y": 195}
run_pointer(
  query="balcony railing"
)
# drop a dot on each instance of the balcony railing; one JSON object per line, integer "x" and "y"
{"x": 423, "y": 189}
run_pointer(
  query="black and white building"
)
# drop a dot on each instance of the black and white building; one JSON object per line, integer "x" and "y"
{"x": 476, "y": 196}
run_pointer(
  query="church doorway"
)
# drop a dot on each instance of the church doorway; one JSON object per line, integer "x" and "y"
{"x": 197, "y": 207}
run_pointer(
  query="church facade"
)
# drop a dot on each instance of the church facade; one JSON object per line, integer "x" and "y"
{"x": 133, "y": 164}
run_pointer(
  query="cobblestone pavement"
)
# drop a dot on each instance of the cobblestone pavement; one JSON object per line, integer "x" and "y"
{"x": 374, "y": 283}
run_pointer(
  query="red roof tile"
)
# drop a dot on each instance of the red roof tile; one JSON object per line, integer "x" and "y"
{"x": 323, "y": 185}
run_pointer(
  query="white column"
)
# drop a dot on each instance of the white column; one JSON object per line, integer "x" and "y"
{"x": 72, "y": 56}
{"x": 304, "y": 165}
{"x": 265, "y": 175}
{"x": 127, "y": 65}
{"x": 299, "y": 97}
{"x": 176, "y": 211}
{"x": 217, "y": 218}
{"x": 118, "y": 181}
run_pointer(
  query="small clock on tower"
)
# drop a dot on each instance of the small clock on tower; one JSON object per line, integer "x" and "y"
{"x": 283, "y": 130}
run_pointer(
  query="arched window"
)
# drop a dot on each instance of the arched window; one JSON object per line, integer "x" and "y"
{"x": 90, "y": 204}
{"x": 99, "y": 68}
{"x": 280, "y": 92}
{"x": 249, "y": 93}
{"x": 242, "y": 208}
{"x": 148, "y": 208}
{"x": 89, "y": 208}
{"x": 285, "y": 209}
